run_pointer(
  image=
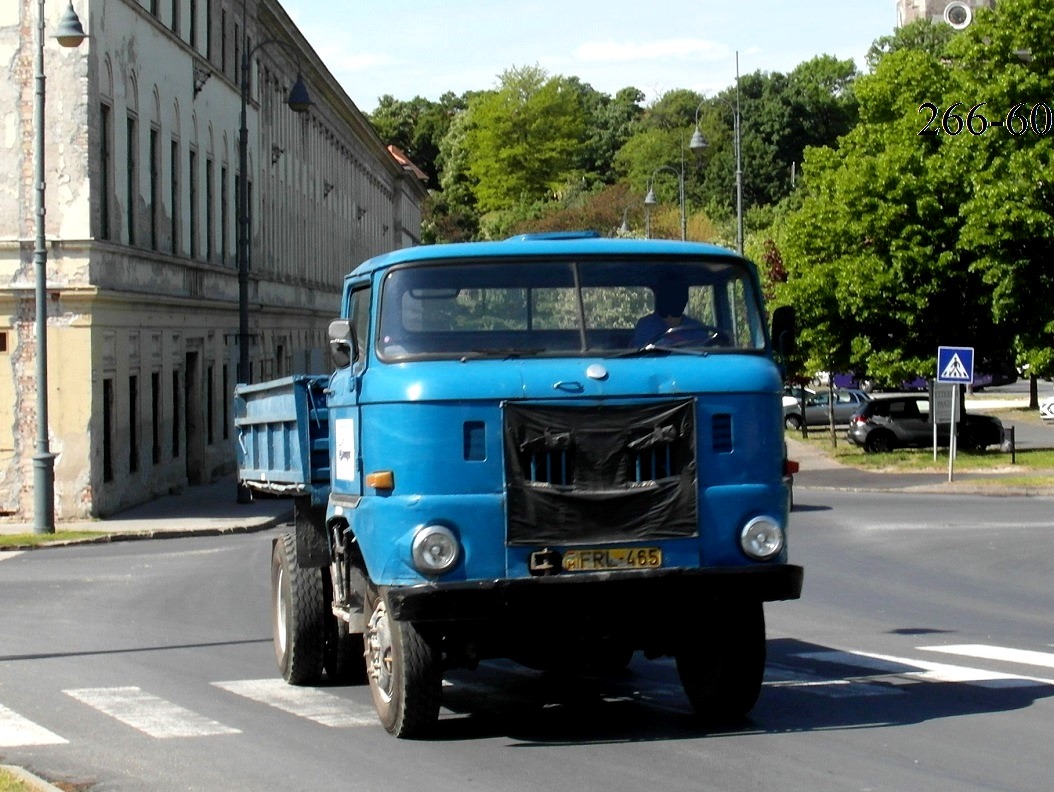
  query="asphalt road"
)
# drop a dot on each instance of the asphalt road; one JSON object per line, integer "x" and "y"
{"x": 921, "y": 657}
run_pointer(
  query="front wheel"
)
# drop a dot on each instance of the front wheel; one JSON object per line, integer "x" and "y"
{"x": 722, "y": 676}
{"x": 298, "y": 615}
{"x": 404, "y": 672}
{"x": 792, "y": 421}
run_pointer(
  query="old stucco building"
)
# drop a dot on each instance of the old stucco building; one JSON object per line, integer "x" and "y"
{"x": 956, "y": 12}
{"x": 141, "y": 148}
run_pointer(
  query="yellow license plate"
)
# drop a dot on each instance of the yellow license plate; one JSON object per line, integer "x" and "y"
{"x": 612, "y": 558}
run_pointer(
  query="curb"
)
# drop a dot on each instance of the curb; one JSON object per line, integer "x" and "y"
{"x": 32, "y": 781}
{"x": 134, "y": 536}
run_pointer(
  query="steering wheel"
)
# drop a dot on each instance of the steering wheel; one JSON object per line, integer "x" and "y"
{"x": 690, "y": 336}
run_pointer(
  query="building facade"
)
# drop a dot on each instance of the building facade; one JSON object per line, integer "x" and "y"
{"x": 958, "y": 13}
{"x": 142, "y": 174}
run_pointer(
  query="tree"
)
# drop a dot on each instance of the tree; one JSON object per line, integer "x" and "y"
{"x": 418, "y": 128}
{"x": 521, "y": 140}
{"x": 905, "y": 241}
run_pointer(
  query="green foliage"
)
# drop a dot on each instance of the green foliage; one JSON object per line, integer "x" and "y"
{"x": 904, "y": 242}
{"x": 521, "y": 140}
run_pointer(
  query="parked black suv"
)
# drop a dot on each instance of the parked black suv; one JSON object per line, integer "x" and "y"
{"x": 892, "y": 422}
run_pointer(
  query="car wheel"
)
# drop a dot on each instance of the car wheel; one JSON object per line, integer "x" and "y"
{"x": 792, "y": 422}
{"x": 879, "y": 443}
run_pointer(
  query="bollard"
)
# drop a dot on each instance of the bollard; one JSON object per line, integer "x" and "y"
{"x": 1013, "y": 445}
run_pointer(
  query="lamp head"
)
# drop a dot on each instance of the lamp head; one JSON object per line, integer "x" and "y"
{"x": 698, "y": 142}
{"x": 299, "y": 100}
{"x": 649, "y": 199}
{"x": 70, "y": 32}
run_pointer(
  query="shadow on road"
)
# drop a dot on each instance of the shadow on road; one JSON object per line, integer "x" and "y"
{"x": 808, "y": 687}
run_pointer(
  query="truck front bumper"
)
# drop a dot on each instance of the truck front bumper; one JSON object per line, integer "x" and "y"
{"x": 623, "y": 595}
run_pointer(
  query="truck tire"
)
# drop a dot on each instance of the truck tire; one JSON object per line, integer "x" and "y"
{"x": 404, "y": 672}
{"x": 723, "y": 679}
{"x": 298, "y": 615}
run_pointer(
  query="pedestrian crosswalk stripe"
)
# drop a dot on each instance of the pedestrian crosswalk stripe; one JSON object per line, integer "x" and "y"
{"x": 985, "y": 652}
{"x": 310, "y": 703}
{"x": 16, "y": 731}
{"x": 148, "y": 713}
{"x": 922, "y": 670}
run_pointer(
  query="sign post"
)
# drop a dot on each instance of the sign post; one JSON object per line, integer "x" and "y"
{"x": 955, "y": 366}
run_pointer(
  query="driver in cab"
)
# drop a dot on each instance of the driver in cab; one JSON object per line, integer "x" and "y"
{"x": 671, "y": 297}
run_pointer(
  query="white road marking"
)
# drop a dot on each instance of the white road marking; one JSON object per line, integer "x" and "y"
{"x": 6, "y": 554}
{"x": 148, "y": 713}
{"x": 922, "y": 670}
{"x": 1018, "y": 656}
{"x": 305, "y": 702}
{"x": 16, "y": 731}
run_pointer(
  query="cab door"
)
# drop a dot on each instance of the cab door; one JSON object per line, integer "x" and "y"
{"x": 345, "y": 424}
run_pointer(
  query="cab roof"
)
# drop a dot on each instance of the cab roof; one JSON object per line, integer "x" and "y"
{"x": 563, "y": 243}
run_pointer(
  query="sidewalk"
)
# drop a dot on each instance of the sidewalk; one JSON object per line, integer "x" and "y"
{"x": 204, "y": 509}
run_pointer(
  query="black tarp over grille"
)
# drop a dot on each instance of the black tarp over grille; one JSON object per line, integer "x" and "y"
{"x": 580, "y": 475}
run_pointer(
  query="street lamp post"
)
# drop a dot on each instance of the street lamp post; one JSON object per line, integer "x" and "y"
{"x": 699, "y": 142}
{"x": 69, "y": 34}
{"x": 650, "y": 199}
{"x": 299, "y": 102}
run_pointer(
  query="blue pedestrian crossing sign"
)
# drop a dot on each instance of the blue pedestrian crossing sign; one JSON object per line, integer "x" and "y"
{"x": 955, "y": 364}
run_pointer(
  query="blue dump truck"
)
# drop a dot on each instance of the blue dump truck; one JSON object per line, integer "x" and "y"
{"x": 556, "y": 449}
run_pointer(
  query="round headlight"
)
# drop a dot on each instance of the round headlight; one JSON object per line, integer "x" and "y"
{"x": 435, "y": 550}
{"x": 761, "y": 538}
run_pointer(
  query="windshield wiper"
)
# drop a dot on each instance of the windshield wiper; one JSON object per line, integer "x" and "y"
{"x": 670, "y": 350}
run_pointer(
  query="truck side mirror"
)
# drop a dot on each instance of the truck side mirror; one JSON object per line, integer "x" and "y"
{"x": 784, "y": 331}
{"x": 342, "y": 346}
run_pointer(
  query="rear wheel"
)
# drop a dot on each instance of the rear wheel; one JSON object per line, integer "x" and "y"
{"x": 878, "y": 443}
{"x": 404, "y": 671}
{"x": 298, "y": 615}
{"x": 722, "y": 676}
{"x": 792, "y": 422}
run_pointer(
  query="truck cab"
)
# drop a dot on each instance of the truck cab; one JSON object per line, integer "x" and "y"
{"x": 529, "y": 450}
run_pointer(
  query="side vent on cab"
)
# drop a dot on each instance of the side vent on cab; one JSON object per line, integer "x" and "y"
{"x": 721, "y": 433}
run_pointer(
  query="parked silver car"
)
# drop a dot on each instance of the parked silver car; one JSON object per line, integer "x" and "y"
{"x": 846, "y": 403}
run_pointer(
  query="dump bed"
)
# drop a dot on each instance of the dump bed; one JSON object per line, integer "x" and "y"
{"x": 283, "y": 436}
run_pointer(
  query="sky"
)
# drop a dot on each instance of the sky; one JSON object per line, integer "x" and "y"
{"x": 428, "y": 47}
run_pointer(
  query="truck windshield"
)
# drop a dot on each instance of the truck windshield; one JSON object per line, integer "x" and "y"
{"x": 519, "y": 308}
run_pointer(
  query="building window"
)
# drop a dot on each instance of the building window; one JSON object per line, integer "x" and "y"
{"x": 210, "y": 406}
{"x": 175, "y": 16}
{"x": 175, "y": 414}
{"x": 226, "y": 402}
{"x": 3, "y": 347}
{"x": 225, "y": 214}
{"x": 193, "y": 8}
{"x": 132, "y": 183}
{"x": 155, "y": 8}
{"x": 105, "y": 148}
{"x": 174, "y": 197}
{"x": 155, "y": 414}
{"x": 133, "y": 424}
{"x": 107, "y": 429}
{"x": 193, "y": 214}
{"x": 210, "y": 210}
{"x": 223, "y": 41}
{"x": 208, "y": 30}
{"x": 155, "y": 187}
{"x": 237, "y": 54}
